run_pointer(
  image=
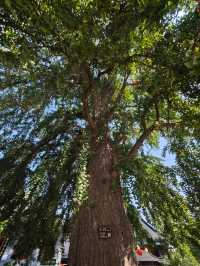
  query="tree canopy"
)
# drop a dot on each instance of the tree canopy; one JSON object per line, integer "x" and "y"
{"x": 75, "y": 70}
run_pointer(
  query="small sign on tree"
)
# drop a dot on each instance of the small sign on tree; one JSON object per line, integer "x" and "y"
{"x": 105, "y": 232}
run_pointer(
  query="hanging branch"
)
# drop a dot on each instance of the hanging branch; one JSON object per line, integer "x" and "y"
{"x": 44, "y": 142}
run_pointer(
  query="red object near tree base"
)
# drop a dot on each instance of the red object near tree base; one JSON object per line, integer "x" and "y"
{"x": 139, "y": 251}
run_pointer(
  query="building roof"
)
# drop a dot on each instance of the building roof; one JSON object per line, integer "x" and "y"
{"x": 148, "y": 257}
{"x": 150, "y": 230}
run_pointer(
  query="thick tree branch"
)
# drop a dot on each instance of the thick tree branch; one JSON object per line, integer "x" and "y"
{"x": 157, "y": 110}
{"x": 163, "y": 125}
{"x": 108, "y": 70}
{"x": 118, "y": 98}
{"x": 147, "y": 133}
{"x": 87, "y": 113}
{"x": 121, "y": 90}
{"x": 89, "y": 87}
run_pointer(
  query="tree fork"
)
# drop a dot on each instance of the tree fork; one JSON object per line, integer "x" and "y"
{"x": 104, "y": 208}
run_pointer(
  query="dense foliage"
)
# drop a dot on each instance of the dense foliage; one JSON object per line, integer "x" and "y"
{"x": 68, "y": 68}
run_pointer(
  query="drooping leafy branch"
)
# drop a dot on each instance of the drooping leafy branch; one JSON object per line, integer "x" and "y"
{"x": 75, "y": 70}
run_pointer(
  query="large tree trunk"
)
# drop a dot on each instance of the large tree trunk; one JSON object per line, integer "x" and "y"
{"x": 103, "y": 208}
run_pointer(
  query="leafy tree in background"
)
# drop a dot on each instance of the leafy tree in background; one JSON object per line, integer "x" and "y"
{"x": 85, "y": 86}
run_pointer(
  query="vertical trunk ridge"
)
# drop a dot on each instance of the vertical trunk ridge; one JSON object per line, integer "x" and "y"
{"x": 103, "y": 208}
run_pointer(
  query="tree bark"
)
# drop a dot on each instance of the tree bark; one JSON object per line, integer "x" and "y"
{"x": 104, "y": 207}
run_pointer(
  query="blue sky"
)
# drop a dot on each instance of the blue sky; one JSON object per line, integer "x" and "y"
{"x": 169, "y": 159}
